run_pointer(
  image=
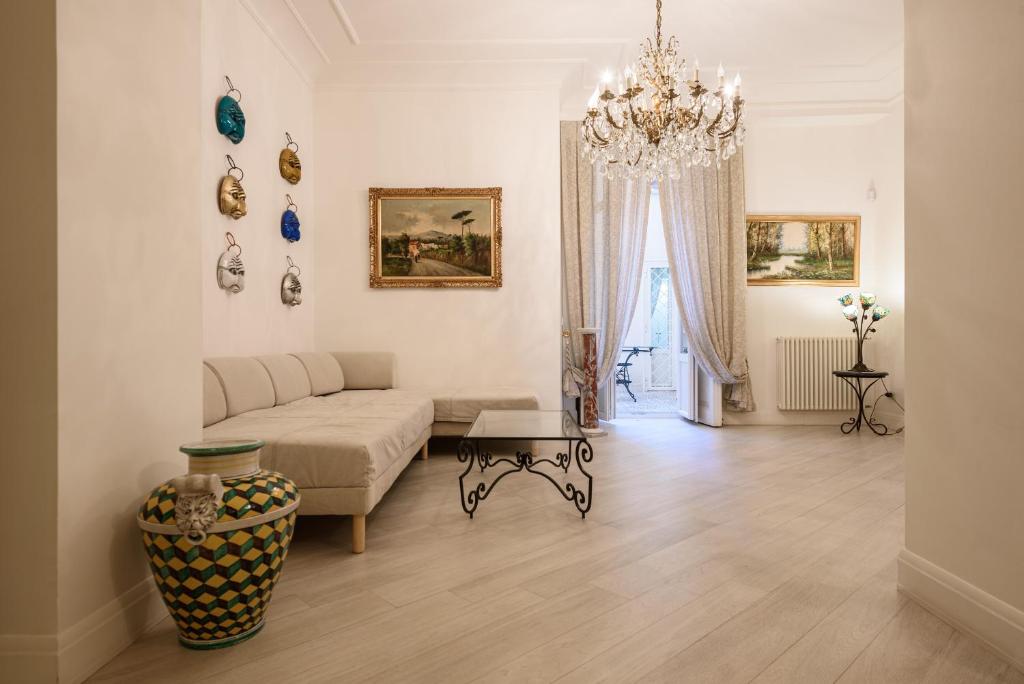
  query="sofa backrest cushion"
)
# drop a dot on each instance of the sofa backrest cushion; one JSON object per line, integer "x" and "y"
{"x": 247, "y": 385}
{"x": 367, "y": 370}
{"x": 325, "y": 374}
{"x": 288, "y": 376}
{"x": 215, "y": 406}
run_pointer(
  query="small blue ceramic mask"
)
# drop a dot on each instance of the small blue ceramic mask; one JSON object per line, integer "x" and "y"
{"x": 290, "y": 226}
{"x": 230, "y": 119}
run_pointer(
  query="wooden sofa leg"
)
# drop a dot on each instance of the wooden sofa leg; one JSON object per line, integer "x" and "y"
{"x": 425, "y": 451}
{"x": 358, "y": 533}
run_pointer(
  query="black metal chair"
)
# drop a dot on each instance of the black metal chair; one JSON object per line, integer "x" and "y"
{"x": 622, "y": 374}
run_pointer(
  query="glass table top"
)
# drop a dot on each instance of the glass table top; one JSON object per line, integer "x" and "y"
{"x": 524, "y": 424}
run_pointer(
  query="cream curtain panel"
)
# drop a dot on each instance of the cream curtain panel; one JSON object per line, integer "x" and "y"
{"x": 604, "y": 231}
{"x": 705, "y": 234}
{"x": 577, "y": 225}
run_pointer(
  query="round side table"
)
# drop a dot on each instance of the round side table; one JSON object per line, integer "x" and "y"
{"x": 856, "y": 380}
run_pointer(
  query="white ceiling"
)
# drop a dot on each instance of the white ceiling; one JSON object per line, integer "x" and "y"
{"x": 793, "y": 54}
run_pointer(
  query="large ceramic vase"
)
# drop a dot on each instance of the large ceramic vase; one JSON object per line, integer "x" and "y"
{"x": 216, "y": 539}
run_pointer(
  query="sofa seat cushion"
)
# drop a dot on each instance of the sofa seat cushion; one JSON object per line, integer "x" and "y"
{"x": 348, "y": 439}
{"x": 464, "y": 404}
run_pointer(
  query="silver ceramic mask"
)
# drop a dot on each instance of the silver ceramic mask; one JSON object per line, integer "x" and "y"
{"x": 230, "y": 269}
{"x": 291, "y": 288}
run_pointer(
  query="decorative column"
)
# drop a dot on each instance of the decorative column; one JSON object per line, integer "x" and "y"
{"x": 590, "y": 426}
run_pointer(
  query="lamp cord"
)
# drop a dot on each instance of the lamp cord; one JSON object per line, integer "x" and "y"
{"x": 888, "y": 395}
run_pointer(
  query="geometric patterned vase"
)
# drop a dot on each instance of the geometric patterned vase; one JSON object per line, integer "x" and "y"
{"x": 216, "y": 540}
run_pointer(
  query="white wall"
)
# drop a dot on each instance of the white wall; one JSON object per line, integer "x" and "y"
{"x": 456, "y": 138}
{"x": 964, "y": 554}
{"x": 275, "y": 99}
{"x": 824, "y": 165}
{"x": 129, "y": 319}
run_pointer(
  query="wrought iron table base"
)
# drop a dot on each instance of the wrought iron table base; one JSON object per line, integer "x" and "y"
{"x": 855, "y": 422}
{"x": 469, "y": 453}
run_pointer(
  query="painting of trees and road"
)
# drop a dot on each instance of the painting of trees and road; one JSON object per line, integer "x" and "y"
{"x": 810, "y": 250}
{"x": 435, "y": 237}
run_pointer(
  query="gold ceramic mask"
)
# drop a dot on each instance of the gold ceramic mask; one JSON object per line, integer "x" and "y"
{"x": 232, "y": 197}
{"x": 291, "y": 167}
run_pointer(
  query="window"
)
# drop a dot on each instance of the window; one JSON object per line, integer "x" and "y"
{"x": 661, "y": 328}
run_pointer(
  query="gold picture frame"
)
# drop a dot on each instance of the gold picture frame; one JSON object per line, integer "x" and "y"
{"x": 435, "y": 237}
{"x": 798, "y": 249}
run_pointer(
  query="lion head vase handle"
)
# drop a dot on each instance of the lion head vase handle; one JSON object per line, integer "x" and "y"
{"x": 195, "y": 511}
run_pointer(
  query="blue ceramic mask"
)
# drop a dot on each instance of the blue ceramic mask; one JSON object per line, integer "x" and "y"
{"x": 230, "y": 119}
{"x": 290, "y": 226}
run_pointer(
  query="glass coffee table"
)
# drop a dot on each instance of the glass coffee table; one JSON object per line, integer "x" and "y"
{"x": 531, "y": 426}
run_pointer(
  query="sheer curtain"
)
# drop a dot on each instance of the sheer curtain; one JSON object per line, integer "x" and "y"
{"x": 704, "y": 218}
{"x": 604, "y": 231}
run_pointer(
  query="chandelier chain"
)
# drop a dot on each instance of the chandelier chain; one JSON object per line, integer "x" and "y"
{"x": 657, "y": 34}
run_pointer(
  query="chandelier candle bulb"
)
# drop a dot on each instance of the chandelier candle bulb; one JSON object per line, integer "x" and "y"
{"x": 721, "y": 75}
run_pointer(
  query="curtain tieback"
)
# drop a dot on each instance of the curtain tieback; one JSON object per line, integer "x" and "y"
{"x": 572, "y": 380}
{"x": 744, "y": 376}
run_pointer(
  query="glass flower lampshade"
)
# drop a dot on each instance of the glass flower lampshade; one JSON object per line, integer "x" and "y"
{"x": 879, "y": 313}
{"x": 846, "y": 299}
{"x": 867, "y": 300}
{"x": 850, "y": 311}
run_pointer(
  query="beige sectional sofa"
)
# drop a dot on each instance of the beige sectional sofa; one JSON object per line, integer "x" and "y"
{"x": 335, "y": 424}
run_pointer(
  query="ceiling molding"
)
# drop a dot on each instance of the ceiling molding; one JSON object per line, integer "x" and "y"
{"x": 346, "y": 23}
{"x": 421, "y": 86}
{"x": 823, "y": 107}
{"x": 308, "y": 31}
{"x": 269, "y": 32}
{"x": 440, "y": 56}
{"x": 504, "y": 41}
{"x": 524, "y": 60}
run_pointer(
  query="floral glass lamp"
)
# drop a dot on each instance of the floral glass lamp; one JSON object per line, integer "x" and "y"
{"x": 864, "y": 317}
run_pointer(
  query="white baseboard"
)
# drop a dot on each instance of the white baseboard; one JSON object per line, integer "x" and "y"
{"x": 964, "y": 606}
{"x": 83, "y": 648}
{"x": 28, "y": 657}
{"x": 87, "y": 645}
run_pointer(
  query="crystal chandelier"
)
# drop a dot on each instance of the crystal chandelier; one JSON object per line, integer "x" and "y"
{"x": 648, "y": 125}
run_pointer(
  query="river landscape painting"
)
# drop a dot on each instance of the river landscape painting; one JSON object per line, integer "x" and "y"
{"x": 435, "y": 237}
{"x": 803, "y": 250}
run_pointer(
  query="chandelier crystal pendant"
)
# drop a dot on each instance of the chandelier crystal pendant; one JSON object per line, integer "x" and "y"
{"x": 647, "y": 125}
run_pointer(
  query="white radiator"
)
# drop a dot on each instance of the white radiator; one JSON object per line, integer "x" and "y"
{"x": 804, "y": 368}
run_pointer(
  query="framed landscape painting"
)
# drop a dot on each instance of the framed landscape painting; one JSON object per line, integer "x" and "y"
{"x": 435, "y": 237}
{"x": 803, "y": 250}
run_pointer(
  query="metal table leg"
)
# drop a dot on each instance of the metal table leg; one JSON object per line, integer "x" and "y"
{"x": 862, "y": 418}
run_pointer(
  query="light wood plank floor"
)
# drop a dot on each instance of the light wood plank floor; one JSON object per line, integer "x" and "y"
{"x": 731, "y": 555}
